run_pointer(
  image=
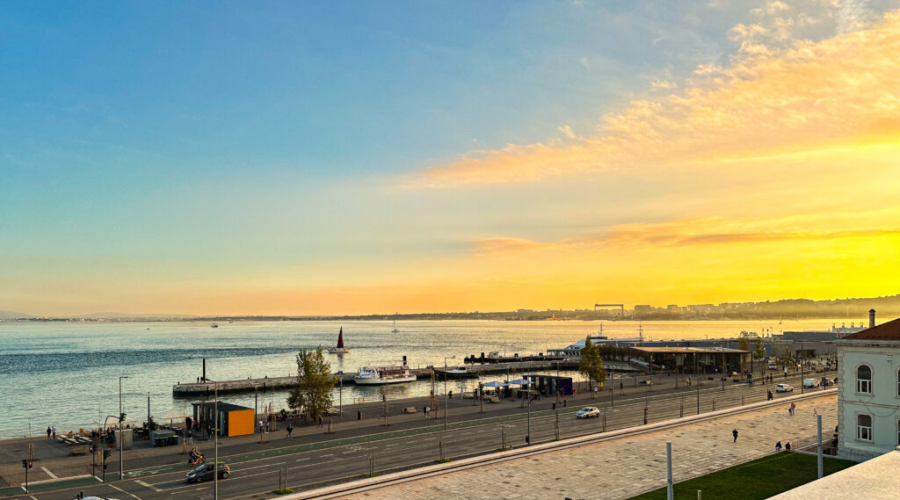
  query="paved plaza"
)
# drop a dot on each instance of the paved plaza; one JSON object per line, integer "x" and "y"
{"x": 625, "y": 467}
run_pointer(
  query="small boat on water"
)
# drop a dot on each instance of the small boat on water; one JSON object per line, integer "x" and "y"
{"x": 383, "y": 375}
{"x": 214, "y": 325}
{"x": 339, "y": 348}
{"x": 394, "y": 329}
{"x": 459, "y": 371}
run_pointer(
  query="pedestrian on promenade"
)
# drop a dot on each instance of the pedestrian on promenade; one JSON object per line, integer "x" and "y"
{"x": 778, "y": 446}
{"x": 190, "y": 437}
{"x": 320, "y": 421}
{"x": 260, "y": 423}
{"x": 769, "y": 396}
{"x": 54, "y": 432}
{"x": 48, "y": 432}
{"x": 290, "y": 429}
{"x": 267, "y": 425}
{"x": 793, "y": 408}
{"x": 735, "y": 434}
{"x": 787, "y": 446}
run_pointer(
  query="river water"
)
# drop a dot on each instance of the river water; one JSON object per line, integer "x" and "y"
{"x": 67, "y": 374}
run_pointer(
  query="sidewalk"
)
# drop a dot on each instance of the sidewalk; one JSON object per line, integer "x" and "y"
{"x": 54, "y": 458}
{"x": 624, "y": 467}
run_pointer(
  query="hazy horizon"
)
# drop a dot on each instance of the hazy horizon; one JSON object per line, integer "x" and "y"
{"x": 342, "y": 158}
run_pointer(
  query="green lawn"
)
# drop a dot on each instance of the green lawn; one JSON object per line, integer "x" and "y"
{"x": 758, "y": 479}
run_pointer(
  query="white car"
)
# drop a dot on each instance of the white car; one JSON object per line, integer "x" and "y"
{"x": 588, "y": 412}
{"x": 784, "y": 388}
{"x": 810, "y": 383}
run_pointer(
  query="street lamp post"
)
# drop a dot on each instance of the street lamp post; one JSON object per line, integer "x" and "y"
{"x": 216, "y": 456}
{"x": 256, "y": 404}
{"x": 445, "y": 390}
{"x": 341, "y": 394}
{"x": 121, "y": 437}
{"x": 801, "y": 369}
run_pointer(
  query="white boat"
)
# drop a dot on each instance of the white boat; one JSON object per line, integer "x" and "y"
{"x": 214, "y": 325}
{"x": 383, "y": 375}
{"x": 339, "y": 348}
{"x": 394, "y": 329}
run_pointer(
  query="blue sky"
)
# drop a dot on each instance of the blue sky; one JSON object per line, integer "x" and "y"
{"x": 245, "y": 138}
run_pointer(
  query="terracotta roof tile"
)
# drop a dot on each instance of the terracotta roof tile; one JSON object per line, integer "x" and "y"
{"x": 884, "y": 331}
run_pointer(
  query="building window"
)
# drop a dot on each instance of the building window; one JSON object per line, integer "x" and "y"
{"x": 864, "y": 427}
{"x": 864, "y": 379}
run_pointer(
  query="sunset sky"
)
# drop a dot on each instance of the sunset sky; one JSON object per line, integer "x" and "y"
{"x": 371, "y": 157}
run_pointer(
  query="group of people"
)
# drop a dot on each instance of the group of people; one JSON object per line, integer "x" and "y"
{"x": 51, "y": 432}
{"x": 787, "y": 446}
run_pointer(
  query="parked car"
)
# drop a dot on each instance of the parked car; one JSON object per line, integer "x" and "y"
{"x": 588, "y": 412}
{"x": 205, "y": 473}
{"x": 773, "y": 366}
{"x": 810, "y": 383}
{"x": 646, "y": 382}
{"x": 827, "y": 381}
{"x": 784, "y": 388}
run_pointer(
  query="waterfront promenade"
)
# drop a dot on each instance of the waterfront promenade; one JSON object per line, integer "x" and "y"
{"x": 409, "y": 440}
{"x": 624, "y": 467}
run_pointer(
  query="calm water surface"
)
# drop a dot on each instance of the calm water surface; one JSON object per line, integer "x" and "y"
{"x": 67, "y": 374}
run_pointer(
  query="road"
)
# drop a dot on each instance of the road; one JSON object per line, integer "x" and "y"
{"x": 255, "y": 473}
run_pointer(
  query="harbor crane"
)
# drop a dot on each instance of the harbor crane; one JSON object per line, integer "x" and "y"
{"x": 620, "y": 306}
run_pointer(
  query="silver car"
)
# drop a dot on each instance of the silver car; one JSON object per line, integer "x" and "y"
{"x": 588, "y": 412}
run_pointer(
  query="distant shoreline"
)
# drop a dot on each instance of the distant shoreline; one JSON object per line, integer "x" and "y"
{"x": 430, "y": 317}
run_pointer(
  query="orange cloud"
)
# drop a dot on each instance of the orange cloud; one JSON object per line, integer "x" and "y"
{"x": 766, "y": 101}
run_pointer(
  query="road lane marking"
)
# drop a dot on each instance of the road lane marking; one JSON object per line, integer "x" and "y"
{"x": 154, "y": 488}
{"x": 123, "y": 491}
{"x": 52, "y": 475}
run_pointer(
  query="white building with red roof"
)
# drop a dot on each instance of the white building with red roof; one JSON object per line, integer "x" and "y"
{"x": 869, "y": 391}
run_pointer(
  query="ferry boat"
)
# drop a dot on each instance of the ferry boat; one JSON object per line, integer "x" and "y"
{"x": 383, "y": 375}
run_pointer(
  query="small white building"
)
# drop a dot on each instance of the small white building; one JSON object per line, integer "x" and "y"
{"x": 869, "y": 391}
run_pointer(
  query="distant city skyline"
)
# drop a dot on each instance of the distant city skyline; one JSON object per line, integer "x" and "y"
{"x": 278, "y": 158}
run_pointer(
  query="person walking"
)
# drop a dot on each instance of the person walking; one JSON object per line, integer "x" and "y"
{"x": 735, "y": 434}
{"x": 769, "y": 396}
{"x": 778, "y": 446}
{"x": 48, "y": 432}
{"x": 793, "y": 408}
{"x": 260, "y": 423}
{"x": 190, "y": 437}
{"x": 54, "y": 432}
{"x": 290, "y": 429}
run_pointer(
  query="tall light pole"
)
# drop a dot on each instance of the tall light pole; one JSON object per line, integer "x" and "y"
{"x": 121, "y": 438}
{"x": 801, "y": 368}
{"x": 341, "y": 394}
{"x": 216, "y": 456}
{"x": 445, "y": 389}
{"x": 255, "y": 406}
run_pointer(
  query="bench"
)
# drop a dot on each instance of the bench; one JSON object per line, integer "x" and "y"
{"x": 409, "y": 409}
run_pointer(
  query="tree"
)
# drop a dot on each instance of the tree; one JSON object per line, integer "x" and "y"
{"x": 786, "y": 356}
{"x": 759, "y": 350}
{"x": 591, "y": 365}
{"x": 314, "y": 385}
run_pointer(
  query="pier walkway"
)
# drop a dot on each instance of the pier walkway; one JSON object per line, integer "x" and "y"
{"x": 195, "y": 389}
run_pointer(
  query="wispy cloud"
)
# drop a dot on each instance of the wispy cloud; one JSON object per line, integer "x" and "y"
{"x": 765, "y": 100}
{"x": 686, "y": 233}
